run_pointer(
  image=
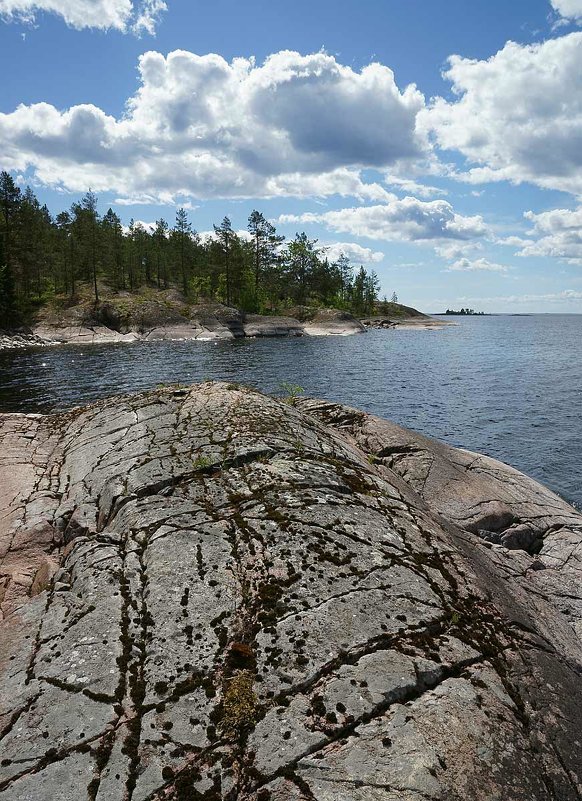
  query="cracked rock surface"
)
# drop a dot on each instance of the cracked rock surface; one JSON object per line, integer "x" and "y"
{"x": 207, "y": 593}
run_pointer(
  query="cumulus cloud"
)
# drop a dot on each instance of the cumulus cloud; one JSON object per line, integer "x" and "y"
{"x": 354, "y": 252}
{"x": 202, "y": 127}
{"x": 556, "y": 233}
{"x": 414, "y": 187}
{"x": 453, "y": 251}
{"x": 405, "y": 220}
{"x": 518, "y": 115}
{"x": 476, "y": 265}
{"x": 206, "y": 236}
{"x": 122, "y": 15}
{"x": 570, "y": 10}
{"x": 150, "y": 227}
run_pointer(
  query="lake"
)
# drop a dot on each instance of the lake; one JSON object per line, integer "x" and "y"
{"x": 507, "y": 386}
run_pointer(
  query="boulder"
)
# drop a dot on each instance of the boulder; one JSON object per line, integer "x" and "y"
{"x": 257, "y": 325}
{"x": 223, "y": 322}
{"x": 82, "y": 335}
{"x": 333, "y": 322}
{"x": 213, "y": 594}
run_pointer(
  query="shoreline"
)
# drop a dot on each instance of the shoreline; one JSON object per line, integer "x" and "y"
{"x": 328, "y": 323}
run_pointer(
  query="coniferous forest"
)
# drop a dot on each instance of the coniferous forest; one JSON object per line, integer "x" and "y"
{"x": 44, "y": 257}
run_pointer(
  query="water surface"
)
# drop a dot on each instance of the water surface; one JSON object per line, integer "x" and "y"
{"x": 507, "y": 386}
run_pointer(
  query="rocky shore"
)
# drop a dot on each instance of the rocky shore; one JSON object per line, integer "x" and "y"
{"x": 167, "y": 316}
{"x": 209, "y": 321}
{"x": 212, "y": 594}
{"x": 416, "y": 321}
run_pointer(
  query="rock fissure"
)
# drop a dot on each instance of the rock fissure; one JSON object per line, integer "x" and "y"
{"x": 247, "y": 600}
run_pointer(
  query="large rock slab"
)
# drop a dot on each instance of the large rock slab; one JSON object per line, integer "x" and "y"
{"x": 257, "y": 325}
{"x": 156, "y": 320}
{"x": 245, "y": 599}
{"x": 332, "y": 322}
{"x": 159, "y": 320}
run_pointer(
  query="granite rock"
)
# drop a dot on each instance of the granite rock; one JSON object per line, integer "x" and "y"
{"x": 213, "y": 594}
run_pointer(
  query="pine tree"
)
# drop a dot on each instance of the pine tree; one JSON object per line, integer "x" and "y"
{"x": 10, "y": 201}
{"x": 112, "y": 245}
{"x": 224, "y": 235}
{"x": 86, "y": 232}
{"x": 160, "y": 237}
{"x": 7, "y": 294}
{"x": 265, "y": 246}
{"x": 301, "y": 259}
{"x": 182, "y": 235}
{"x": 345, "y": 271}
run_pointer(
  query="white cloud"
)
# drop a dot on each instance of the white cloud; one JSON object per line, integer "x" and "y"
{"x": 518, "y": 115}
{"x": 148, "y": 16}
{"x": 122, "y": 15}
{"x": 452, "y": 251}
{"x": 556, "y": 234}
{"x": 568, "y": 9}
{"x": 476, "y": 265}
{"x": 201, "y": 127}
{"x": 354, "y": 252}
{"x": 150, "y": 227}
{"x": 405, "y": 220}
{"x": 342, "y": 181}
{"x": 206, "y": 236}
{"x": 413, "y": 187}
{"x": 514, "y": 241}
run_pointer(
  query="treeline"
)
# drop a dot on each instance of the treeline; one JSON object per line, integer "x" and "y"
{"x": 42, "y": 256}
{"x": 470, "y": 312}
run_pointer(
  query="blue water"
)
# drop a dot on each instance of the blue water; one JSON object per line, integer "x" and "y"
{"x": 507, "y": 386}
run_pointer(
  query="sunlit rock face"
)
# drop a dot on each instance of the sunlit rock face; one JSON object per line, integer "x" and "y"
{"x": 212, "y": 594}
{"x": 157, "y": 320}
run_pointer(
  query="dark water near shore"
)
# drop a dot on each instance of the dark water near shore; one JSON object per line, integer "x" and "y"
{"x": 510, "y": 387}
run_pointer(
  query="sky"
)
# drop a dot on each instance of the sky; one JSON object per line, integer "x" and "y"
{"x": 438, "y": 142}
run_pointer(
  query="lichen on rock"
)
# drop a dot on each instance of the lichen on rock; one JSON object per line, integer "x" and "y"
{"x": 212, "y": 594}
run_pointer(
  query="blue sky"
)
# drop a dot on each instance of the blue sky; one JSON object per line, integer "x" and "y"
{"x": 436, "y": 141}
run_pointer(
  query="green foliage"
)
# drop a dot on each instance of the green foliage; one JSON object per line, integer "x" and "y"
{"x": 202, "y": 463}
{"x": 292, "y": 392}
{"x": 81, "y": 254}
{"x": 8, "y": 311}
{"x": 239, "y": 704}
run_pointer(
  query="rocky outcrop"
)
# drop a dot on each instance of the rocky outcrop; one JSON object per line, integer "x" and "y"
{"x": 332, "y": 322}
{"x": 256, "y": 325}
{"x": 211, "y": 594}
{"x": 419, "y": 322}
{"x": 16, "y": 340}
{"x": 208, "y": 321}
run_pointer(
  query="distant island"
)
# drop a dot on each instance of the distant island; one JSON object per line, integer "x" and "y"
{"x": 466, "y": 312}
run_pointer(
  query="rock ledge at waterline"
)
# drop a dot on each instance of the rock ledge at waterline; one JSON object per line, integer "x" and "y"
{"x": 209, "y": 321}
{"x": 212, "y": 594}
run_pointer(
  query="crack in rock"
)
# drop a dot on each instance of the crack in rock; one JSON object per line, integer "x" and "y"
{"x": 211, "y": 594}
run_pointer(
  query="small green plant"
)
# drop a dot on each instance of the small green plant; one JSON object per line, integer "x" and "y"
{"x": 239, "y": 704}
{"x": 202, "y": 463}
{"x": 292, "y": 392}
{"x": 299, "y": 446}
